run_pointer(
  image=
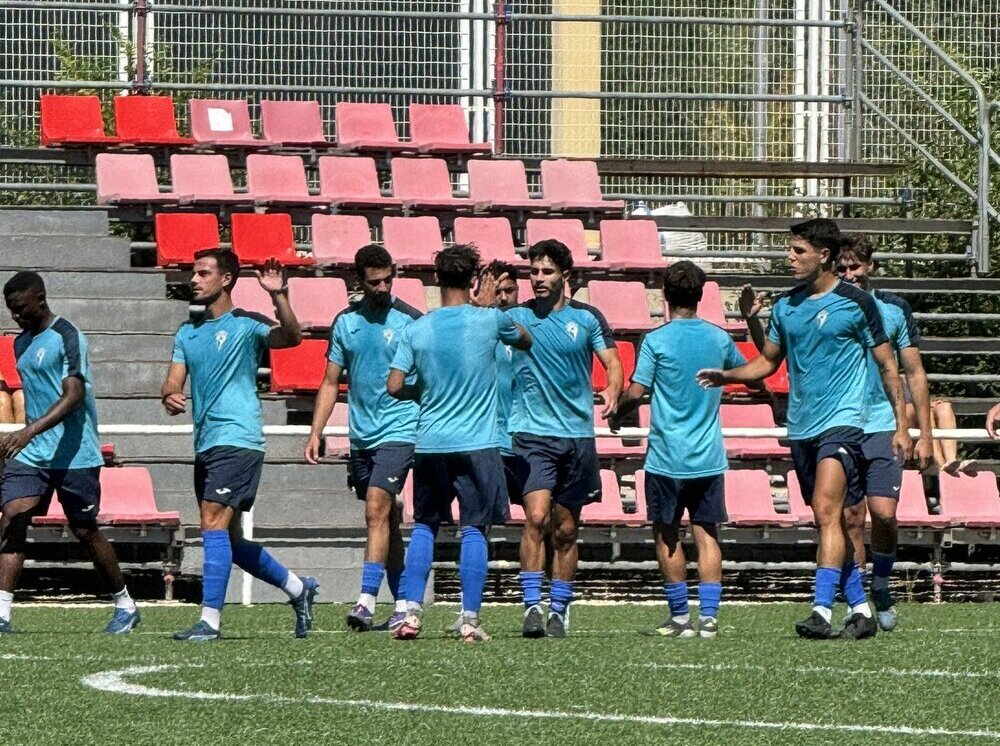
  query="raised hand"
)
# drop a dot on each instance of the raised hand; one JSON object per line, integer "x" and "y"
{"x": 751, "y": 303}
{"x": 272, "y": 278}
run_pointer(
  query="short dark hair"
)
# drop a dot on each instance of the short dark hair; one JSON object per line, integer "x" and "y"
{"x": 683, "y": 284}
{"x": 555, "y": 250}
{"x": 858, "y": 245}
{"x": 370, "y": 257}
{"x": 822, "y": 233}
{"x": 226, "y": 260}
{"x": 499, "y": 267}
{"x": 22, "y": 281}
{"x": 457, "y": 266}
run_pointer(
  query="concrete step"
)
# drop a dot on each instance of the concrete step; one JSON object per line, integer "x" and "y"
{"x": 148, "y": 410}
{"x": 113, "y": 378}
{"x": 117, "y": 315}
{"x": 64, "y": 252}
{"x": 53, "y": 223}
{"x": 139, "y": 448}
{"x": 130, "y": 348}
{"x": 138, "y": 285}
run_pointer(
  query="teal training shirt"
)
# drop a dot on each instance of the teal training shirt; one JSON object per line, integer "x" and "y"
{"x": 901, "y": 329}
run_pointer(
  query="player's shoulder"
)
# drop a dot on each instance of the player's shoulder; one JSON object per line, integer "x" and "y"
{"x": 401, "y": 306}
{"x": 852, "y": 293}
{"x": 793, "y": 294}
{"x": 22, "y": 342}
{"x": 587, "y": 311}
{"x": 243, "y": 316}
{"x": 66, "y": 329}
{"x": 346, "y": 315}
{"x": 891, "y": 299}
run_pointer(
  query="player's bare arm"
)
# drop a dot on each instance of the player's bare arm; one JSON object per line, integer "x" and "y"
{"x": 757, "y": 369}
{"x": 398, "y": 388}
{"x": 287, "y": 333}
{"x": 72, "y": 395}
{"x": 326, "y": 400}
{"x": 616, "y": 380}
{"x": 902, "y": 443}
{"x": 172, "y": 391}
{"x": 916, "y": 379}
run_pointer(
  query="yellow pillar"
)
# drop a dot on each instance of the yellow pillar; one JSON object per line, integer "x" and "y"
{"x": 576, "y": 66}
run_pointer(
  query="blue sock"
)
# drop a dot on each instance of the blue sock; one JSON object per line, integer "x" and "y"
{"x": 393, "y": 576}
{"x": 472, "y": 568}
{"x": 854, "y": 585}
{"x": 217, "y": 566}
{"x": 709, "y": 598}
{"x": 371, "y": 577}
{"x": 560, "y": 594}
{"x": 882, "y": 569}
{"x": 419, "y": 557}
{"x": 677, "y": 598}
{"x": 827, "y": 580}
{"x": 531, "y": 587}
{"x": 258, "y": 562}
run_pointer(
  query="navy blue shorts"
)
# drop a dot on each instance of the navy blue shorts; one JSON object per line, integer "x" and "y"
{"x": 384, "y": 467}
{"x": 704, "y": 499}
{"x": 78, "y": 490}
{"x": 510, "y": 474}
{"x": 476, "y": 478}
{"x": 566, "y": 467}
{"x": 841, "y": 443}
{"x": 880, "y": 473}
{"x": 228, "y": 475}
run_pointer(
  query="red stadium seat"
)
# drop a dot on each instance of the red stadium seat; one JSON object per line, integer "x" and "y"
{"x": 797, "y": 508}
{"x": 970, "y": 500}
{"x": 8, "y": 363}
{"x": 609, "y": 509}
{"x": 257, "y": 238}
{"x": 502, "y": 184}
{"x": 130, "y": 179}
{"x": 180, "y": 235}
{"x": 912, "y": 508}
{"x": 127, "y": 499}
{"x": 442, "y": 128}
{"x": 567, "y": 230}
{"x": 299, "y": 368}
{"x": 412, "y": 241}
{"x": 147, "y": 120}
{"x": 631, "y": 244}
{"x": 749, "y": 501}
{"x": 623, "y": 304}
{"x": 492, "y": 236}
{"x": 751, "y": 415}
{"x": 599, "y": 376}
{"x": 337, "y": 238}
{"x": 410, "y": 290}
{"x": 72, "y": 120}
{"x": 776, "y": 384}
{"x": 250, "y": 296}
{"x": 616, "y": 447}
{"x": 206, "y": 179}
{"x": 367, "y": 127}
{"x": 575, "y": 186}
{"x": 280, "y": 180}
{"x": 293, "y": 123}
{"x": 425, "y": 183}
{"x": 316, "y": 300}
{"x": 352, "y": 183}
{"x": 340, "y": 445}
{"x": 223, "y": 122}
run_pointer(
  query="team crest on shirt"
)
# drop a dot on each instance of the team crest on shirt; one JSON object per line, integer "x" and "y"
{"x": 821, "y": 317}
{"x": 220, "y": 338}
{"x": 388, "y": 334}
{"x": 509, "y": 351}
{"x": 572, "y": 329}
{"x": 40, "y": 355}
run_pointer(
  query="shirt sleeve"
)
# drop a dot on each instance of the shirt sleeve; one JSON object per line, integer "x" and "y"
{"x": 73, "y": 361}
{"x": 774, "y": 328}
{"x": 178, "y": 354}
{"x": 733, "y": 357}
{"x": 335, "y": 352}
{"x": 645, "y": 366}
{"x": 507, "y": 331}
{"x": 601, "y": 336}
{"x": 403, "y": 359}
{"x": 870, "y": 327}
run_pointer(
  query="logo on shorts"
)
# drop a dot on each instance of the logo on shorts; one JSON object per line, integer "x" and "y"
{"x": 223, "y": 491}
{"x": 572, "y": 329}
{"x": 87, "y": 509}
{"x": 40, "y": 355}
{"x": 821, "y": 317}
{"x": 388, "y": 334}
{"x": 392, "y": 480}
{"x": 896, "y": 487}
{"x": 220, "y": 338}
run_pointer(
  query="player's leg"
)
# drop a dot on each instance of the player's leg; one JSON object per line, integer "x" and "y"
{"x": 854, "y": 520}
{"x": 217, "y": 565}
{"x": 705, "y": 501}
{"x": 565, "y": 527}
{"x": 14, "y": 522}
{"x": 885, "y": 531}
{"x": 665, "y": 512}
{"x": 6, "y": 408}
{"x": 394, "y": 564}
{"x": 943, "y": 417}
{"x": 535, "y": 460}
{"x": 17, "y": 400}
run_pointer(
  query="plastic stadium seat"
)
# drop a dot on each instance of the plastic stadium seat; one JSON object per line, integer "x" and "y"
{"x": 599, "y": 376}
{"x": 257, "y": 238}
{"x": 797, "y": 508}
{"x": 316, "y": 300}
{"x": 341, "y": 444}
{"x": 609, "y": 509}
{"x": 410, "y": 290}
{"x": 640, "y": 516}
{"x": 622, "y": 303}
{"x": 147, "y": 120}
{"x": 352, "y": 182}
{"x": 367, "y": 127}
{"x": 502, "y": 184}
{"x": 127, "y": 499}
{"x": 516, "y": 514}
{"x": 751, "y": 415}
{"x": 492, "y": 236}
{"x": 567, "y": 230}
{"x": 72, "y": 120}
{"x": 575, "y": 185}
{"x": 293, "y": 123}
{"x": 970, "y": 501}
{"x": 749, "y": 501}
{"x": 631, "y": 244}
{"x": 279, "y": 180}
{"x": 912, "y": 508}
{"x": 776, "y": 384}
{"x": 206, "y": 179}
{"x": 128, "y": 178}
{"x": 412, "y": 241}
{"x": 616, "y": 447}
{"x": 223, "y": 122}
{"x": 425, "y": 183}
{"x": 299, "y": 368}
{"x": 180, "y": 235}
{"x": 250, "y": 296}
{"x": 337, "y": 238}
{"x": 8, "y": 363}
{"x": 442, "y": 128}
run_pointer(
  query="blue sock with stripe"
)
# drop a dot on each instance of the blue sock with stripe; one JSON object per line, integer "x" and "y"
{"x": 217, "y": 566}
{"x": 371, "y": 577}
{"x": 472, "y": 568}
{"x": 709, "y": 598}
{"x": 560, "y": 595}
{"x": 677, "y": 599}
{"x": 419, "y": 557}
{"x": 531, "y": 587}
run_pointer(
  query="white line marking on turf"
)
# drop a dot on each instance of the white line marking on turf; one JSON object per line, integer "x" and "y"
{"x": 116, "y": 682}
{"x": 825, "y": 669}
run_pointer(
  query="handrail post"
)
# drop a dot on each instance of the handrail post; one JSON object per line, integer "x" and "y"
{"x": 141, "y": 9}
{"x": 501, "y": 16}
{"x": 983, "y": 190}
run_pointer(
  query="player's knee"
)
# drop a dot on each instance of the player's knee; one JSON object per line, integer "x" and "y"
{"x": 377, "y": 514}
{"x": 84, "y": 532}
{"x": 14, "y": 532}
{"x": 535, "y": 520}
{"x": 564, "y": 535}
{"x": 854, "y": 520}
{"x": 884, "y": 519}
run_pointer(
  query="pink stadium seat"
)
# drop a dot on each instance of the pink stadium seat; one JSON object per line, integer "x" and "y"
{"x": 631, "y": 244}
{"x": 206, "y": 178}
{"x": 410, "y": 290}
{"x": 250, "y": 296}
{"x": 749, "y": 501}
{"x": 622, "y": 303}
{"x": 797, "y": 507}
{"x": 316, "y": 300}
{"x": 8, "y": 363}
{"x": 412, "y": 241}
{"x": 352, "y": 182}
{"x": 970, "y": 500}
{"x": 575, "y": 186}
{"x": 257, "y": 238}
{"x": 280, "y": 180}
{"x": 223, "y": 122}
{"x": 776, "y": 384}
{"x": 179, "y": 235}
{"x": 337, "y": 238}
{"x": 912, "y": 508}
{"x": 609, "y": 509}
{"x": 130, "y": 179}
{"x": 599, "y": 376}
{"x": 617, "y": 447}
{"x": 641, "y": 515}
{"x": 567, "y": 230}
{"x": 442, "y": 128}
{"x": 337, "y": 445}
{"x": 425, "y": 183}
{"x": 503, "y": 184}
{"x": 147, "y": 120}
{"x": 127, "y": 499}
{"x": 293, "y": 123}
{"x": 751, "y": 415}
{"x": 72, "y": 120}
{"x": 492, "y": 236}
{"x": 299, "y": 368}
{"x": 367, "y": 127}
{"x": 516, "y": 514}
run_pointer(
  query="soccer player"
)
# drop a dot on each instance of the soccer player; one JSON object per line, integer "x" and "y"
{"x": 826, "y": 328}
{"x": 221, "y": 351}
{"x": 452, "y": 353}
{"x": 553, "y": 425}
{"x": 685, "y": 460}
{"x": 57, "y": 451}
{"x": 363, "y": 340}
